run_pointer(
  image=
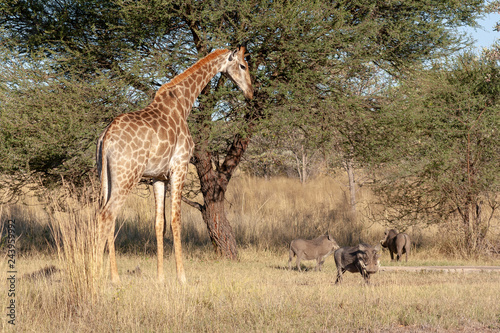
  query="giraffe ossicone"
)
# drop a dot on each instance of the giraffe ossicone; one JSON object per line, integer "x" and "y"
{"x": 155, "y": 143}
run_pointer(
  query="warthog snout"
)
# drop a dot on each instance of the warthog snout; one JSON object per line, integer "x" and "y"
{"x": 362, "y": 258}
{"x": 371, "y": 267}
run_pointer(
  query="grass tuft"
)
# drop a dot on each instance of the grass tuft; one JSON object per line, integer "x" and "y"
{"x": 73, "y": 222}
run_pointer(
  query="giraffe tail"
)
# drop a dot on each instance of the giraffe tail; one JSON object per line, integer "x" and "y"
{"x": 102, "y": 171}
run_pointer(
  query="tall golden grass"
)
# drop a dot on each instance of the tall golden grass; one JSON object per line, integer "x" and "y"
{"x": 73, "y": 222}
{"x": 265, "y": 214}
{"x": 256, "y": 293}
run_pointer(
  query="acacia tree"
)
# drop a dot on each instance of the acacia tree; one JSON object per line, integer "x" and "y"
{"x": 377, "y": 43}
{"x": 356, "y": 95}
{"x": 446, "y": 122}
{"x": 294, "y": 48}
{"x": 49, "y": 121}
{"x": 274, "y": 33}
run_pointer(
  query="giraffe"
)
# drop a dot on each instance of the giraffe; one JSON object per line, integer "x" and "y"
{"x": 155, "y": 143}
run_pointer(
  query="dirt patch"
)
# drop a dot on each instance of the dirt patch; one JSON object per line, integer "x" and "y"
{"x": 443, "y": 269}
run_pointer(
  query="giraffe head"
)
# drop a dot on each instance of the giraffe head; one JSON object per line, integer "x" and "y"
{"x": 237, "y": 69}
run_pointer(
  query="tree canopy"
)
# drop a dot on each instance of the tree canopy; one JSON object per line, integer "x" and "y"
{"x": 440, "y": 160}
{"x": 84, "y": 62}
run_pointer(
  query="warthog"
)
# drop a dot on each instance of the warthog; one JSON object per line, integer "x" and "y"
{"x": 318, "y": 248}
{"x": 398, "y": 243}
{"x": 362, "y": 258}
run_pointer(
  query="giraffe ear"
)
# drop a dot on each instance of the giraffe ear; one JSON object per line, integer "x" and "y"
{"x": 242, "y": 49}
{"x": 233, "y": 54}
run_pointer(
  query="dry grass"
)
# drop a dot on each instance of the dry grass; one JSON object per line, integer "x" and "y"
{"x": 254, "y": 294}
{"x": 73, "y": 222}
{"x": 258, "y": 294}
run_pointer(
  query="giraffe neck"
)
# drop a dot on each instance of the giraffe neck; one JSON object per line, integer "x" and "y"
{"x": 187, "y": 86}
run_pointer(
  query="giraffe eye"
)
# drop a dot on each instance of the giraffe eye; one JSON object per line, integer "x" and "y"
{"x": 242, "y": 67}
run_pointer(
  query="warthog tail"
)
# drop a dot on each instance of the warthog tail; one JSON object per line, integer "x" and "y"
{"x": 407, "y": 243}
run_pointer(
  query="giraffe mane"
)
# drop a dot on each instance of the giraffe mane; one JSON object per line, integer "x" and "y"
{"x": 190, "y": 70}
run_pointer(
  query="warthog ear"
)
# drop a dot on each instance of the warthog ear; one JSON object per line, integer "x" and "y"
{"x": 377, "y": 248}
{"x": 361, "y": 247}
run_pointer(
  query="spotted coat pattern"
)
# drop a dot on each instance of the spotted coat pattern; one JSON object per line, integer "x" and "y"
{"x": 155, "y": 143}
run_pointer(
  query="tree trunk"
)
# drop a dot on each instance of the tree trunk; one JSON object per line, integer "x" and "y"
{"x": 220, "y": 231}
{"x": 352, "y": 187}
{"x": 474, "y": 234}
{"x": 214, "y": 179}
{"x": 470, "y": 241}
{"x": 213, "y": 184}
{"x": 304, "y": 165}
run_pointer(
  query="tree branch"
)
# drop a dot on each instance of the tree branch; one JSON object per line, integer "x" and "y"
{"x": 192, "y": 203}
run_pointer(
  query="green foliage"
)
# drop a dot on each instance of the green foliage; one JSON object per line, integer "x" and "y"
{"x": 443, "y": 160}
{"x": 308, "y": 60}
{"x": 50, "y": 120}
{"x": 322, "y": 73}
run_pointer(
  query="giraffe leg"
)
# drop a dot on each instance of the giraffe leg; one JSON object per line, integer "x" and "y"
{"x": 107, "y": 229}
{"x": 159, "y": 192}
{"x": 108, "y": 217}
{"x": 101, "y": 240}
{"x": 177, "y": 177}
{"x": 115, "y": 278}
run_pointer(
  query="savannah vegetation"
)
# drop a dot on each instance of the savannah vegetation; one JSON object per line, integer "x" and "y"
{"x": 255, "y": 293}
{"x": 366, "y": 115}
